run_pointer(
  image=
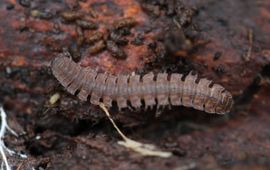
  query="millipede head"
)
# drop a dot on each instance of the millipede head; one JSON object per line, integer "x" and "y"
{"x": 226, "y": 104}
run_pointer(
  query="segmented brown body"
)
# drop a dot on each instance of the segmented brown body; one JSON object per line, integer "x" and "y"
{"x": 97, "y": 47}
{"x": 124, "y": 22}
{"x": 161, "y": 89}
{"x": 118, "y": 39}
{"x": 115, "y": 51}
{"x": 94, "y": 37}
{"x": 71, "y": 15}
{"x": 87, "y": 24}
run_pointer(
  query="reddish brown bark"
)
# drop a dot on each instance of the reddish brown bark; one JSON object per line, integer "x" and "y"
{"x": 225, "y": 41}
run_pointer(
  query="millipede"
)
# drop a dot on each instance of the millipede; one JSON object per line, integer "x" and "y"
{"x": 141, "y": 91}
{"x": 97, "y": 47}
{"x": 124, "y": 22}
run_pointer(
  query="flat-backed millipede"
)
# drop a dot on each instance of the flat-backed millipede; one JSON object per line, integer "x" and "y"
{"x": 71, "y": 15}
{"x": 97, "y": 47}
{"x": 124, "y": 22}
{"x": 94, "y": 37}
{"x": 136, "y": 91}
{"x": 118, "y": 39}
{"x": 87, "y": 24}
{"x": 115, "y": 50}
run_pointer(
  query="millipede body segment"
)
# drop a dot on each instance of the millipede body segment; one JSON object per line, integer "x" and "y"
{"x": 161, "y": 89}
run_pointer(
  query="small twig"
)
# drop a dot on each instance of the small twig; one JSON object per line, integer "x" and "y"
{"x": 143, "y": 149}
{"x": 177, "y": 24}
{"x": 250, "y": 40}
{"x": 2, "y": 134}
{"x": 102, "y": 106}
{"x": 3, "y": 148}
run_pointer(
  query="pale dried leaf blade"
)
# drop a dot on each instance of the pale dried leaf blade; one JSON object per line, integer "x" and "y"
{"x": 144, "y": 149}
{"x": 141, "y": 148}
